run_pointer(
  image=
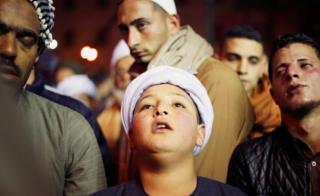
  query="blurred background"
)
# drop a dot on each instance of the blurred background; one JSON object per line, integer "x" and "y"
{"x": 90, "y": 26}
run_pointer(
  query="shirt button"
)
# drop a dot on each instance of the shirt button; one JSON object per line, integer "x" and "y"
{"x": 313, "y": 163}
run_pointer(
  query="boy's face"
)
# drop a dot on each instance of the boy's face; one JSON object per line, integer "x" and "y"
{"x": 165, "y": 121}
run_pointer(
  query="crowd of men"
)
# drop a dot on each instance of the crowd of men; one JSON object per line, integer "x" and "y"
{"x": 192, "y": 120}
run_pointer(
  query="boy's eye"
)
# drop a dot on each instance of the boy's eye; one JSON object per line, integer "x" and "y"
{"x": 179, "y": 105}
{"x": 146, "y": 107}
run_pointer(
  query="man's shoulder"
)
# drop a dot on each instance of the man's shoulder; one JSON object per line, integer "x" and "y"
{"x": 214, "y": 70}
{"x": 261, "y": 146}
{"x": 206, "y": 186}
{"x": 131, "y": 188}
{"x": 44, "y": 111}
{"x": 30, "y": 100}
{"x": 213, "y": 64}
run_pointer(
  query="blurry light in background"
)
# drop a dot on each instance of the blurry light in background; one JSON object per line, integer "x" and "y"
{"x": 53, "y": 45}
{"x": 89, "y": 53}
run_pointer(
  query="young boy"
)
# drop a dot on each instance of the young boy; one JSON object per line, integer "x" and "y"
{"x": 167, "y": 115}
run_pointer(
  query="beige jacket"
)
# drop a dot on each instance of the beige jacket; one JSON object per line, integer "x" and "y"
{"x": 234, "y": 116}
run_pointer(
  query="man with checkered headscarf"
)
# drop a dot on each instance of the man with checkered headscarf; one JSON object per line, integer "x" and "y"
{"x": 62, "y": 139}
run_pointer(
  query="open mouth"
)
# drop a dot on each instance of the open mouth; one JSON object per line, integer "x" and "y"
{"x": 161, "y": 127}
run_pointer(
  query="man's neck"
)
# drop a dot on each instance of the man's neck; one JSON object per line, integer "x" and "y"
{"x": 138, "y": 68}
{"x": 306, "y": 128}
{"x": 176, "y": 178}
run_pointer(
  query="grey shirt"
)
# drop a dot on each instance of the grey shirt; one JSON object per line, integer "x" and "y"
{"x": 66, "y": 146}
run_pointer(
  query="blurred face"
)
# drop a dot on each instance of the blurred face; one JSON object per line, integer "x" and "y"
{"x": 144, "y": 28}
{"x": 165, "y": 120}
{"x": 63, "y": 73}
{"x": 122, "y": 76}
{"x": 295, "y": 77}
{"x": 246, "y": 57}
{"x": 19, "y": 32}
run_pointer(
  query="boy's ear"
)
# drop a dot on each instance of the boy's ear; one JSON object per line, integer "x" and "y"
{"x": 200, "y": 135}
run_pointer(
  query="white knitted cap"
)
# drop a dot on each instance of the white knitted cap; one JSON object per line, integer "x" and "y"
{"x": 168, "y": 5}
{"x": 121, "y": 50}
{"x": 77, "y": 84}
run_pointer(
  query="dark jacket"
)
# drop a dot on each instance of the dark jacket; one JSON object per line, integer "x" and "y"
{"x": 272, "y": 165}
{"x": 205, "y": 187}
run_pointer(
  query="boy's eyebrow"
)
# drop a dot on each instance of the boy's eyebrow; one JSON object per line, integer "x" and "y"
{"x": 182, "y": 95}
{"x": 173, "y": 93}
{"x": 144, "y": 97}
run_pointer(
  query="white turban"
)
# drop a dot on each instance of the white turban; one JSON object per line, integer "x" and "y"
{"x": 168, "y": 5}
{"x": 174, "y": 76}
{"x": 77, "y": 84}
{"x": 121, "y": 50}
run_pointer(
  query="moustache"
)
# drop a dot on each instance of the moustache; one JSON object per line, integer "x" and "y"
{"x": 4, "y": 61}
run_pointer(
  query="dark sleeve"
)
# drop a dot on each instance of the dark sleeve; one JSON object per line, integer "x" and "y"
{"x": 238, "y": 171}
{"x": 131, "y": 188}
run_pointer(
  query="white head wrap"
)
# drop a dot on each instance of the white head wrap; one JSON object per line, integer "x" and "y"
{"x": 168, "y": 5}
{"x": 170, "y": 75}
{"x": 121, "y": 50}
{"x": 77, "y": 84}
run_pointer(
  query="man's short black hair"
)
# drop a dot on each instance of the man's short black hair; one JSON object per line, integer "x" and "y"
{"x": 288, "y": 39}
{"x": 244, "y": 31}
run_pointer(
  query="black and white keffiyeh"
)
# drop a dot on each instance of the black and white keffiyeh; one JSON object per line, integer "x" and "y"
{"x": 45, "y": 12}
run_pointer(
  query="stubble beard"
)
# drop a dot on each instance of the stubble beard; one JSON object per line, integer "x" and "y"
{"x": 301, "y": 110}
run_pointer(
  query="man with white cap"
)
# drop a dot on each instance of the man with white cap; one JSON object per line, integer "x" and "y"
{"x": 167, "y": 115}
{"x": 152, "y": 31}
{"x": 109, "y": 119}
{"x": 62, "y": 139}
{"x": 80, "y": 87}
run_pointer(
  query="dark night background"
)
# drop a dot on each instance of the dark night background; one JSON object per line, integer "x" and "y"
{"x": 82, "y": 22}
